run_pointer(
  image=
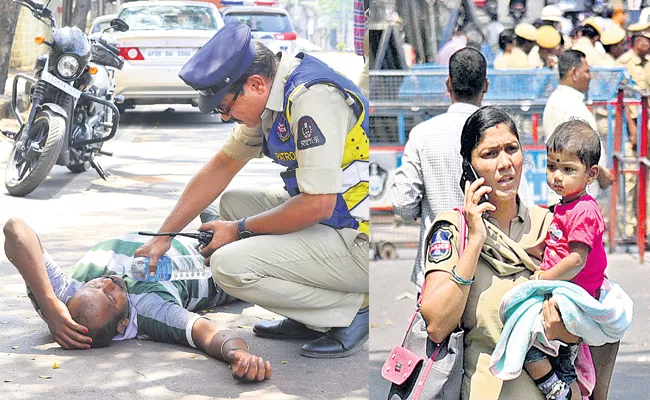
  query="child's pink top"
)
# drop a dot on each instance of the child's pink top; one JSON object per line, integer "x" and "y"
{"x": 578, "y": 221}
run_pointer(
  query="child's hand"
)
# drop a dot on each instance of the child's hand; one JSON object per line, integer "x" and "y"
{"x": 537, "y": 275}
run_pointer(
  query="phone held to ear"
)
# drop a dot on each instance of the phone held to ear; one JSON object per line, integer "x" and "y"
{"x": 470, "y": 175}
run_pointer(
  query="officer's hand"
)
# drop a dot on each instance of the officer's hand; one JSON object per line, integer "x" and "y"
{"x": 224, "y": 232}
{"x": 153, "y": 249}
{"x": 249, "y": 368}
{"x": 474, "y": 211}
{"x": 553, "y": 324}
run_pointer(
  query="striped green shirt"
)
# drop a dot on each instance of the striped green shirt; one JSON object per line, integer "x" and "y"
{"x": 160, "y": 311}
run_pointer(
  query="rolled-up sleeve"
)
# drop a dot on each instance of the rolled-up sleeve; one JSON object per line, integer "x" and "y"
{"x": 408, "y": 188}
{"x": 243, "y": 143}
{"x": 319, "y": 165}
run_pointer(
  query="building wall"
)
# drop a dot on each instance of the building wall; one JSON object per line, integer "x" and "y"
{"x": 24, "y": 50}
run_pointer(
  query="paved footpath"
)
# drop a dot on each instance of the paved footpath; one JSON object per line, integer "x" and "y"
{"x": 156, "y": 152}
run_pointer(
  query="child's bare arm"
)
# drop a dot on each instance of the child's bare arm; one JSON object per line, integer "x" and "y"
{"x": 537, "y": 251}
{"x": 570, "y": 266}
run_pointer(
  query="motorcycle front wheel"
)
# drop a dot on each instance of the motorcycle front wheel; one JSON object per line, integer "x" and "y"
{"x": 27, "y": 169}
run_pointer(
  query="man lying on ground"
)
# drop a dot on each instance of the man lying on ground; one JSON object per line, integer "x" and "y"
{"x": 96, "y": 305}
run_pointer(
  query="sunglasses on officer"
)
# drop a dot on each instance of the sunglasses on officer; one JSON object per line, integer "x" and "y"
{"x": 226, "y": 110}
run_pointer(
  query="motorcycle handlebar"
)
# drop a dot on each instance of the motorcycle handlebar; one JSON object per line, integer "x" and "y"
{"x": 38, "y": 10}
{"x": 109, "y": 46}
{"x": 36, "y": 5}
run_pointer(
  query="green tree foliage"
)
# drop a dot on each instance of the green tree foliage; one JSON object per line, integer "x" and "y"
{"x": 337, "y": 12}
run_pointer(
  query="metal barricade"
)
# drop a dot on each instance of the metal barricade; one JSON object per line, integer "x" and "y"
{"x": 400, "y": 100}
{"x": 639, "y": 167}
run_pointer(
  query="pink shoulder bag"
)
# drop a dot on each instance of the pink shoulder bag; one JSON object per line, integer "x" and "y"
{"x": 441, "y": 375}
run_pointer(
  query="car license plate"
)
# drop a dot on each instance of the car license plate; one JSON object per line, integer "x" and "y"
{"x": 169, "y": 53}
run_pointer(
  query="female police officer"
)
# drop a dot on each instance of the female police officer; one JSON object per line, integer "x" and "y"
{"x": 302, "y": 251}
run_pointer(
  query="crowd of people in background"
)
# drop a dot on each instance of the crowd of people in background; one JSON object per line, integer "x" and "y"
{"x": 607, "y": 39}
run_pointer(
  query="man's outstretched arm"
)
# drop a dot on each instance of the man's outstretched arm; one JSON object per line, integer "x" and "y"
{"x": 24, "y": 251}
{"x": 227, "y": 346}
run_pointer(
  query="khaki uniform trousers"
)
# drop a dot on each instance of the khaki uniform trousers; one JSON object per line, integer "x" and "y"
{"x": 632, "y": 195}
{"x": 317, "y": 276}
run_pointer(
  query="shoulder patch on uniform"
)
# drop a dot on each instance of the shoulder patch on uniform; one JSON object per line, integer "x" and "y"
{"x": 309, "y": 135}
{"x": 440, "y": 248}
{"x": 283, "y": 132}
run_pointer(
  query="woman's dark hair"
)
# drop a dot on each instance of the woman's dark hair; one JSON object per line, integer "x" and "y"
{"x": 476, "y": 125}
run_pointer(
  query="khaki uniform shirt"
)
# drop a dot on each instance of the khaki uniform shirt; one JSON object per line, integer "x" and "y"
{"x": 593, "y": 57}
{"x": 636, "y": 67}
{"x": 319, "y": 168}
{"x": 517, "y": 59}
{"x": 534, "y": 58}
{"x": 480, "y": 319}
{"x": 638, "y": 70}
{"x": 609, "y": 61}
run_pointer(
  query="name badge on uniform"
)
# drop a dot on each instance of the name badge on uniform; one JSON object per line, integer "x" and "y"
{"x": 440, "y": 246}
{"x": 309, "y": 135}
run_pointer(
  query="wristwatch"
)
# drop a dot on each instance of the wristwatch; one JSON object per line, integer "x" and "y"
{"x": 242, "y": 232}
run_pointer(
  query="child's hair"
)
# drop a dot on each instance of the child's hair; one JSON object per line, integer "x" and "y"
{"x": 578, "y": 138}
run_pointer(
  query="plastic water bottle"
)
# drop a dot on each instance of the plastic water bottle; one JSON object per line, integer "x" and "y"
{"x": 170, "y": 268}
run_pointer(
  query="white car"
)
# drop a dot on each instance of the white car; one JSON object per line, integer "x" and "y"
{"x": 307, "y": 46}
{"x": 100, "y": 23}
{"x": 162, "y": 37}
{"x": 269, "y": 25}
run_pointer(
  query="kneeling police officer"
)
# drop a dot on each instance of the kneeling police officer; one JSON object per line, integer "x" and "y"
{"x": 300, "y": 251}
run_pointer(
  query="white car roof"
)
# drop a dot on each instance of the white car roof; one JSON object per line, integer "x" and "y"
{"x": 165, "y": 3}
{"x": 104, "y": 18}
{"x": 255, "y": 9}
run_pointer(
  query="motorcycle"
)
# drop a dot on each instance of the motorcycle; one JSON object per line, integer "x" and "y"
{"x": 72, "y": 100}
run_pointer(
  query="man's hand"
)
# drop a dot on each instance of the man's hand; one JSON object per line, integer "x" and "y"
{"x": 66, "y": 332}
{"x": 224, "y": 232}
{"x": 249, "y": 368}
{"x": 24, "y": 251}
{"x": 153, "y": 249}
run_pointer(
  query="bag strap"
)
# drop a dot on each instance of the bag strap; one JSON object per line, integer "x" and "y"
{"x": 425, "y": 373}
{"x": 462, "y": 229}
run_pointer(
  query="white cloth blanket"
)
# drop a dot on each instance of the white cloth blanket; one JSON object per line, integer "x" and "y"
{"x": 596, "y": 321}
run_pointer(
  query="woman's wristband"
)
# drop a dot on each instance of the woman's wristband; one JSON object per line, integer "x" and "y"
{"x": 459, "y": 280}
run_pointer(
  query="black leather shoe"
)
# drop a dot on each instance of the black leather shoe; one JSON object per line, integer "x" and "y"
{"x": 284, "y": 329}
{"x": 340, "y": 342}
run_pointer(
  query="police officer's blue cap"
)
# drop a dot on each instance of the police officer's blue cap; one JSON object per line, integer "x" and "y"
{"x": 219, "y": 63}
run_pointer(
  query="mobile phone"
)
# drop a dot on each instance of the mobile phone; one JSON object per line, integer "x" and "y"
{"x": 470, "y": 175}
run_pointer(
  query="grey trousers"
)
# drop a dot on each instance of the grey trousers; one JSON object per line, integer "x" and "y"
{"x": 317, "y": 276}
